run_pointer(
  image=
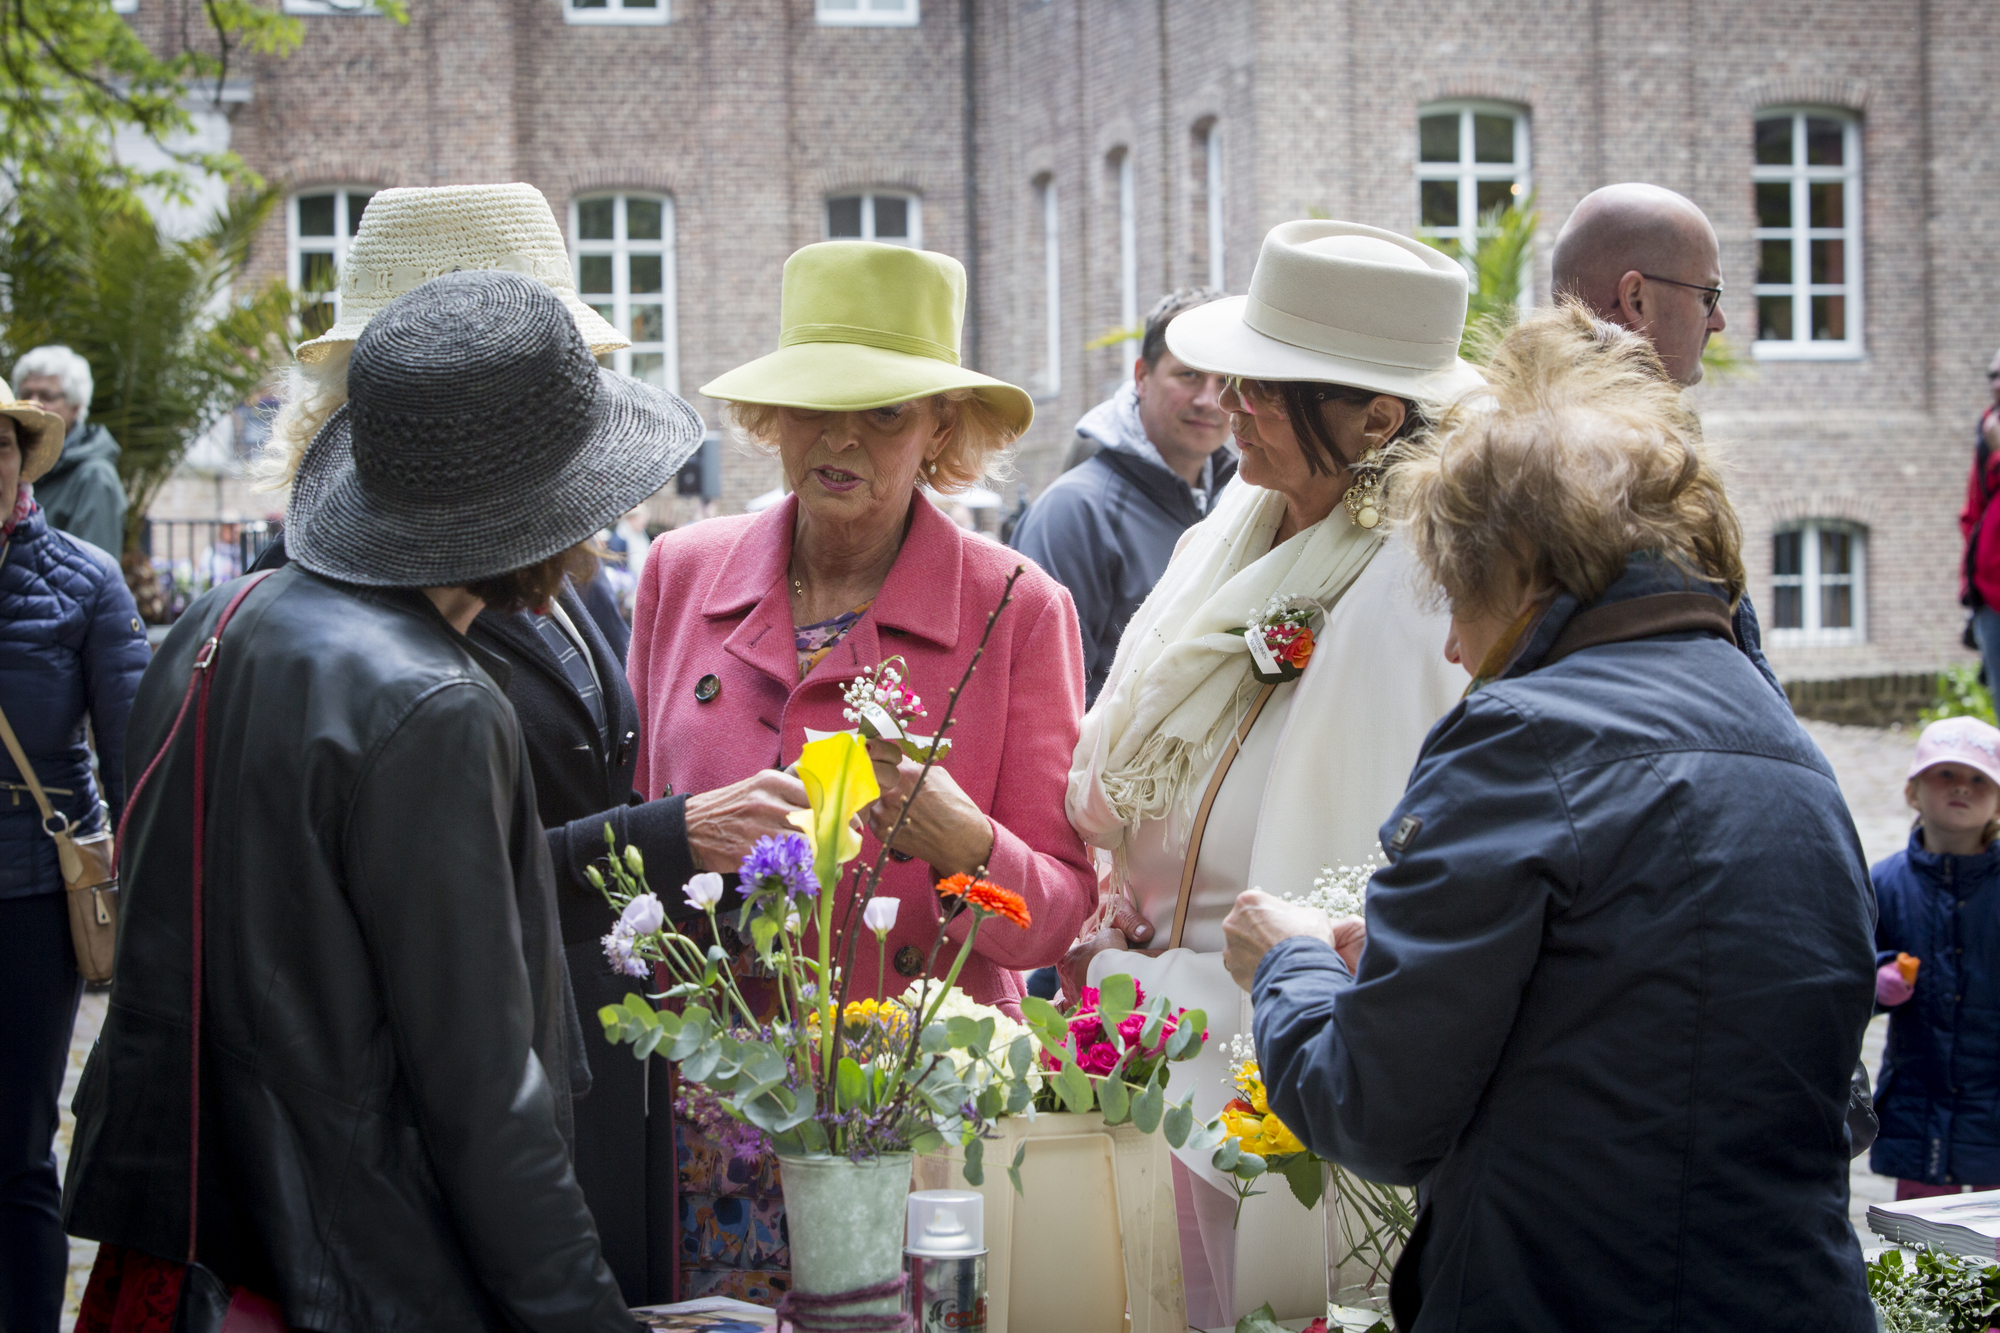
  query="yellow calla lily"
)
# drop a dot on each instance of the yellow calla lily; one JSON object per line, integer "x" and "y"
{"x": 839, "y": 781}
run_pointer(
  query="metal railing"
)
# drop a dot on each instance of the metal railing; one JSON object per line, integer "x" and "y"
{"x": 189, "y": 556}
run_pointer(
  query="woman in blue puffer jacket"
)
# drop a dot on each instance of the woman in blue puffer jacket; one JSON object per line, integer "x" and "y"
{"x": 71, "y": 647}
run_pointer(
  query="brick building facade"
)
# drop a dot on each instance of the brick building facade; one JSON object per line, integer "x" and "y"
{"x": 1846, "y": 151}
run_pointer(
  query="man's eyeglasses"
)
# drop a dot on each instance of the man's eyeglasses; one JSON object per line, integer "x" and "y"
{"x": 1710, "y": 295}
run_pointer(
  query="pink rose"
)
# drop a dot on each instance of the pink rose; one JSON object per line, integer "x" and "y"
{"x": 1130, "y": 1030}
{"x": 1086, "y": 1029}
{"x": 1098, "y": 1059}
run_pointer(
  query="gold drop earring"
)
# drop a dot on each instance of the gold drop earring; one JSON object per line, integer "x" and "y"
{"x": 1364, "y": 496}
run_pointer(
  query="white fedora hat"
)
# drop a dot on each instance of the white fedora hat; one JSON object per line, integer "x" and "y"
{"x": 1338, "y": 303}
{"x": 409, "y": 236}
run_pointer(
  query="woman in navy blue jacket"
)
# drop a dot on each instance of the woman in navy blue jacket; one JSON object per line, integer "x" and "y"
{"x": 71, "y": 647}
{"x": 1615, "y": 976}
{"x": 1938, "y": 955}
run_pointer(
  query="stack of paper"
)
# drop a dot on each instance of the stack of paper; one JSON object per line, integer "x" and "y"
{"x": 1953, "y": 1223}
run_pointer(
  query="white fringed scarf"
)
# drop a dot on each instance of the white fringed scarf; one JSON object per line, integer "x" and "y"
{"x": 1180, "y": 681}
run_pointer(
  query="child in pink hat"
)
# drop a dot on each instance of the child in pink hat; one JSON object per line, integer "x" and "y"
{"x": 1937, "y": 941}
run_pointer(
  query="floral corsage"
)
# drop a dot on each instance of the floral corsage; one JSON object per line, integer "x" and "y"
{"x": 881, "y": 705}
{"x": 1280, "y": 639}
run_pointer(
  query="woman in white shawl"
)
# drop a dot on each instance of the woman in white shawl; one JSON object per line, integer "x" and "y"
{"x": 1228, "y": 751}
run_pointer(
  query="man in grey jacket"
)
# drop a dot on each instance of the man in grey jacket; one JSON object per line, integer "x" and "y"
{"x": 1153, "y": 458}
{"x": 82, "y": 494}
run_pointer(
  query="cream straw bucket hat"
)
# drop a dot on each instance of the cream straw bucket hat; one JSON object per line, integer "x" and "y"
{"x": 409, "y": 236}
{"x": 1338, "y": 303}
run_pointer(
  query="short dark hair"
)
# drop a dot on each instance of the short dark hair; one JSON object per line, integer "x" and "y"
{"x": 530, "y": 587}
{"x": 1162, "y": 314}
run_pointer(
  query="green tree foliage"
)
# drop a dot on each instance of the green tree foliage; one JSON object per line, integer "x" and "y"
{"x": 170, "y": 347}
{"x": 1959, "y": 694}
{"x": 72, "y": 72}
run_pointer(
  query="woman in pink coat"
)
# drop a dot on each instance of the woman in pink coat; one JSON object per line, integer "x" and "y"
{"x": 748, "y": 629}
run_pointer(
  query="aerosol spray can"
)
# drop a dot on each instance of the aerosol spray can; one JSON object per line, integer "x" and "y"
{"x": 945, "y": 1253}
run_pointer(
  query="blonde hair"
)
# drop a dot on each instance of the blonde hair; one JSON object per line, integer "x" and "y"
{"x": 980, "y": 443}
{"x": 312, "y": 391}
{"x": 1582, "y": 456}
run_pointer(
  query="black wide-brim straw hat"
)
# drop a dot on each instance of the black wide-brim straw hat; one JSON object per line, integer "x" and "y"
{"x": 479, "y": 437}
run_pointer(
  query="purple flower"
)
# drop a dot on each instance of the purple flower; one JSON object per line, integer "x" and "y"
{"x": 781, "y": 863}
{"x": 618, "y": 951}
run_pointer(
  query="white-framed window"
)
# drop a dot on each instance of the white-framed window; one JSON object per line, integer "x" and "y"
{"x": 1819, "y": 581}
{"x": 616, "y": 11}
{"x": 1050, "y": 379}
{"x": 1472, "y": 160}
{"x": 318, "y": 225}
{"x": 894, "y": 219}
{"x": 1807, "y": 180}
{"x": 625, "y": 271}
{"x": 1128, "y": 248}
{"x": 866, "y": 13}
{"x": 330, "y": 7}
{"x": 1211, "y": 162}
{"x": 124, "y": 6}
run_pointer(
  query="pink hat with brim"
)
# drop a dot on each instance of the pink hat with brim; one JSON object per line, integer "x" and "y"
{"x": 1959, "y": 740}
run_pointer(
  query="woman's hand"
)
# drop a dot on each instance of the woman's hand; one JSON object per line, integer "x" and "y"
{"x": 724, "y": 824}
{"x": 1120, "y": 929}
{"x": 1260, "y": 920}
{"x": 944, "y": 829}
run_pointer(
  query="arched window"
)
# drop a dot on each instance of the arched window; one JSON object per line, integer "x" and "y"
{"x": 1807, "y": 180}
{"x": 319, "y": 223}
{"x": 1819, "y": 581}
{"x": 892, "y": 218}
{"x": 625, "y": 271}
{"x": 1472, "y": 160}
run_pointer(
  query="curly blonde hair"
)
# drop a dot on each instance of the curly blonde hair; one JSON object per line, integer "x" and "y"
{"x": 312, "y": 392}
{"x": 1583, "y": 455}
{"x": 980, "y": 444}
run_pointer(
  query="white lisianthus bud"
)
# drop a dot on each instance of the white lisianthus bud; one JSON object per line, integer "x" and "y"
{"x": 704, "y": 891}
{"x": 596, "y": 880}
{"x": 880, "y": 916}
{"x": 634, "y": 862}
{"x": 643, "y": 915}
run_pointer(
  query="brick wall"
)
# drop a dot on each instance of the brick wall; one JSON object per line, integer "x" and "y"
{"x": 748, "y": 113}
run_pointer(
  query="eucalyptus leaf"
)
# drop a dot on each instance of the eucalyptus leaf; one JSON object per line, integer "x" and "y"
{"x": 1263, "y": 1319}
{"x": 638, "y": 1006}
{"x": 1205, "y": 1136}
{"x": 1073, "y": 1086}
{"x": 1227, "y": 1154}
{"x": 1115, "y": 1098}
{"x": 1020, "y": 1055}
{"x": 812, "y": 1135}
{"x": 933, "y": 1039}
{"x": 984, "y": 1040}
{"x": 648, "y": 1040}
{"x": 1248, "y": 1166}
{"x": 1019, "y": 1094}
{"x": 1116, "y": 996}
{"x": 991, "y": 1100}
{"x": 975, "y": 1162}
{"x": 1179, "y": 1120}
{"x": 1149, "y": 1105}
{"x": 961, "y": 1032}
{"x": 926, "y": 1141}
{"x": 697, "y": 1067}
{"x": 1185, "y": 1044}
{"x": 1014, "y": 1170}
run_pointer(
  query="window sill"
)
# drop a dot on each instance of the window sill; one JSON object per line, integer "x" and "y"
{"x": 866, "y": 20}
{"x": 333, "y": 8}
{"x": 1770, "y": 349}
{"x": 617, "y": 18}
{"x": 1814, "y": 638}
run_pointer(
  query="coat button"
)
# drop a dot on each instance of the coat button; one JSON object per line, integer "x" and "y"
{"x": 910, "y": 961}
{"x": 707, "y": 688}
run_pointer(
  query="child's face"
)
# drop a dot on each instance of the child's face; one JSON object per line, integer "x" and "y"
{"x": 1955, "y": 799}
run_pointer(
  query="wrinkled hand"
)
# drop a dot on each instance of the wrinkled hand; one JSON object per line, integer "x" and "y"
{"x": 945, "y": 829}
{"x": 724, "y": 824}
{"x": 1119, "y": 928}
{"x": 1259, "y": 920}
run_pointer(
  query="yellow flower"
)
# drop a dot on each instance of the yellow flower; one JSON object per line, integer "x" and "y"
{"x": 1278, "y": 1139}
{"x": 1250, "y": 1083}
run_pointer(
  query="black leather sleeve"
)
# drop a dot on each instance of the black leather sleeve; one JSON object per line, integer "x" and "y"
{"x": 433, "y": 887}
{"x": 657, "y": 828}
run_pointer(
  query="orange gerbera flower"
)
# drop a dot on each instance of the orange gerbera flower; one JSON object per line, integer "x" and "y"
{"x": 987, "y": 897}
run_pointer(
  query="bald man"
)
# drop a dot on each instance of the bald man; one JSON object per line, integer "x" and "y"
{"x": 1645, "y": 259}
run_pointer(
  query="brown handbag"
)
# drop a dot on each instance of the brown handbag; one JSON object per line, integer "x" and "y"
{"x": 89, "y": 871}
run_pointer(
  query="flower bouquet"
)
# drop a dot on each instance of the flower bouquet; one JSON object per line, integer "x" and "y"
{"x": 1280, "y": 639}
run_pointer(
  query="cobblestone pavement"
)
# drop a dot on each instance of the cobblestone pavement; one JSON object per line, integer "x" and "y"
{"x": 1868, "y": 761}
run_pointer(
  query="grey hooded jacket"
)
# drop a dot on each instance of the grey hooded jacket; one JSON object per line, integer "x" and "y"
{"x": 82, "y": 494}
{"x": 1106, "y": 528}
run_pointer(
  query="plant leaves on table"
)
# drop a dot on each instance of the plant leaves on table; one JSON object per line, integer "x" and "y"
{"x": 1263, "y": 1319}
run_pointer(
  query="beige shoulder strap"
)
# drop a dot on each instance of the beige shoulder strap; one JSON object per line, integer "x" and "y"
{"x": 1222, "y": 765}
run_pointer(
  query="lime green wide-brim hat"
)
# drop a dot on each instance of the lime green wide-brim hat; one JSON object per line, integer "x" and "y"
{"x": 866, "y": 325}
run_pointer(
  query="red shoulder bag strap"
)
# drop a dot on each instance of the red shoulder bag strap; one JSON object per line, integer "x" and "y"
{"x": 199, "y": 681}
